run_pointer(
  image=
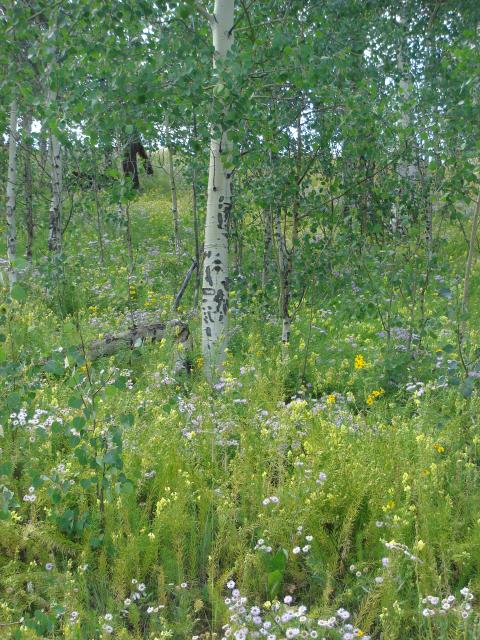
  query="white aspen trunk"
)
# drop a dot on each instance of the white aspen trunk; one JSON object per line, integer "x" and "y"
{"x": 267, "y": 245}
{"x": 55, "y": 222}
{"x": 173, "y": 189}
{"x": 195, "y": 222}
{"x": 98, "y": 217}
{"x": 406, "y": 169}
{"x": 29, "y": 223}
{"x": 11, "y": 195}
{"x": 469, "y": 265}
{"x": 55, "y": 155}
{"x": 284, "y": 265}
{"x": 215, "y": 269}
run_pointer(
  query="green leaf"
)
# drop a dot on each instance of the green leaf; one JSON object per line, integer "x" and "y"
{"x": 75, "y": 402}
{"x": 18, "y": 293}
{"x": 14, "y": 401}
{"x": 274, "y": 580}
{"x": 54, "y": 367}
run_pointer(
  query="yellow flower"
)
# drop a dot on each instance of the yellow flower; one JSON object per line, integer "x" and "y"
{"x": 438, "y": 448}
{"x": 360, "y": 362}
{"x": 331, "y": 399}
{"x": 390, "y": 505}
{"x": 370, "y": 400}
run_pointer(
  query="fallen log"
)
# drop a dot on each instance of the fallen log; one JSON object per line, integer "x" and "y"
{"x": 136, "y": 336}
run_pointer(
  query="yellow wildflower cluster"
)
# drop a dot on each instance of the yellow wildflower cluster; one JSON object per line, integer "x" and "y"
{"x": 360, "y": 362}
{"x": 132, "y": 289}
{"x": 151, "y": 300}
{"x": 376, "y": 393}
{"x": 438, "y": 448}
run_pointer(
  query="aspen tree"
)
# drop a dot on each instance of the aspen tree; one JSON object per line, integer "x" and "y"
{"x": 215, "y": 269}
{"x": 11, "y": 195}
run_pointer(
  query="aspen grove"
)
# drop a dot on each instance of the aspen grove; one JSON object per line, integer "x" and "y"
{"x": 239, "y": 302}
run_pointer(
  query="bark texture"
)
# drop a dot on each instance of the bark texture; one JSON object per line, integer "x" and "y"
{"x": 215, "y": 269}
{"x": 11, "y": 195}
{"x": 112, "y": 344}
{"x": 29, "y": 222}
{"x": 173, "y": 189}
{"x": 55, "y": 220}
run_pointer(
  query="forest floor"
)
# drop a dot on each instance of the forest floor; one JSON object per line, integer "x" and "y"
{"x": 333, "y": 482}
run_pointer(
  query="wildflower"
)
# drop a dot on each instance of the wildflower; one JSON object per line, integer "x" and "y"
{"x": 108, "y": 617}
{"x": 331, "y": 399}
{"x": 231, "y": 584}
{"x": 438, "y": 448}
{"x": 428, "y": 612}
{"x": 49, "y": 566}
{"x": 360, "y": 362}
{"x": 107, "y": 628}
{"x": 296, "y": 550}
{"x": 379, "y": 579}
{"x": 141, "y": 587}
{"x": 184, "y": 585}
{"x": 127, "y": 602}
{"x": 288, "y": 599}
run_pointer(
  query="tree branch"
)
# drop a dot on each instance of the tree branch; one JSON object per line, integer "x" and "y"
{"x": 202, "y": 11}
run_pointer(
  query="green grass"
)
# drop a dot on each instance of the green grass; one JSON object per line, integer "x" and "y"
{"x": 140, "y": 475}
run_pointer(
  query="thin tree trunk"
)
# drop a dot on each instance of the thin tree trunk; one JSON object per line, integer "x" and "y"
{"x": 98, "y": 217}
{"x": 215, "y": 271}
{"x": 406, "y": 169}
{"x": 29, "y": 223}
{"x": 173, "y": 188}
{"x": 283, "y": 276}
{"x": 43, "y": 148}
{"x": 55, "y": 220}
{"x": 11, "y": 195}
{"x": 469, "y": 265}
{"x": 195, "y": 222}
{"x": 267, "y": 245}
